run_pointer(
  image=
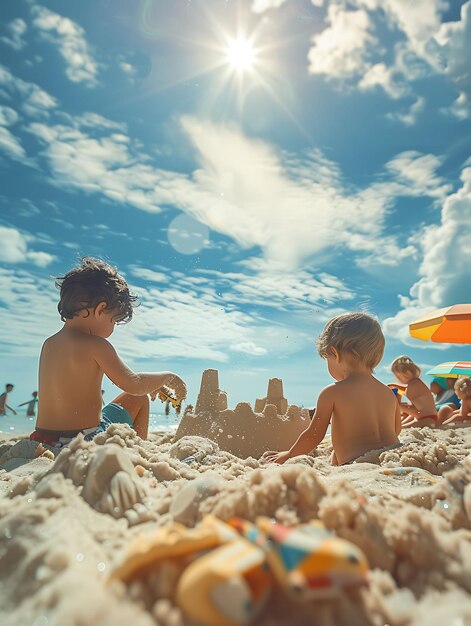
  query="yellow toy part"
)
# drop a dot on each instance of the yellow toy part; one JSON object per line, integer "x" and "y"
{"x": 228, "y": 586}
{"x": 171, "y": 542}
{"x": 168, "y": 395}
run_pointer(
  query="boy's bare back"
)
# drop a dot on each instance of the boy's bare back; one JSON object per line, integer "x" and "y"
{"x": 365, "y": 417}
{"x": 69, "y": 382}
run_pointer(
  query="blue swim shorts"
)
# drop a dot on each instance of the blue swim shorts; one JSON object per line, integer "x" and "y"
{"x": 112, "y": 413}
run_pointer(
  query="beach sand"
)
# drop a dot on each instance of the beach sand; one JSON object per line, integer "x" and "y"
{"x": 65, "y": 524}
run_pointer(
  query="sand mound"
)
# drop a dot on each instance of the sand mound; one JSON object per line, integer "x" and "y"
{"x": 65, "y": 524}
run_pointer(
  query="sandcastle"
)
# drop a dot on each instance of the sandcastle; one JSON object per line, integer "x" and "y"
{"x": 271, "y": 425}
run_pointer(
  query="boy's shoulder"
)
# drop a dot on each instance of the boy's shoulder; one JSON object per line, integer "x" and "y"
{"x": 77, "y": 338}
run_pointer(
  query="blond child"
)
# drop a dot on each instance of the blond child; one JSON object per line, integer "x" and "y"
{"x": 364, "y": 412}
{"x": 463, "y": 391}
{"x": 93, "y": 299}
{"x": 422, "y": 411}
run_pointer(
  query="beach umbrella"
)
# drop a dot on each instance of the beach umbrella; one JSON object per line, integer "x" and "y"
{"x": 449, "y": 325}
{"x": 451, "y": 368}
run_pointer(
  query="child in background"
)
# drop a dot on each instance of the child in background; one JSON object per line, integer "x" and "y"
{"x": 93, "y": 299}
{"x": 422, "y": 411}
{"x": 463, "y": 391}
{"x": 3, "y": 400}
{"x": 31, "y": 405}
{"x": 365, "y": 414}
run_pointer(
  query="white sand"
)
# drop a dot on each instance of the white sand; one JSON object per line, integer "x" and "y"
{"x": 65, "y": 524}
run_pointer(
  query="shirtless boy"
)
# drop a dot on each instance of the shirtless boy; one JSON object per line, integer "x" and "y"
{"x": 93, "y": 299}
{"x": 364, "y": 412}
{"x": 3, "y": 400}
{"x": 422, "y": 411}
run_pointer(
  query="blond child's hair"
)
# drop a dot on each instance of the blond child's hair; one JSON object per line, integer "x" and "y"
{"x": 356, "y": 334}
{"x": 405, "y": 364}
{"x": 464, "y": 385}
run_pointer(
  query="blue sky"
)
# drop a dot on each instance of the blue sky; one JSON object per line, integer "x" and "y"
{"x": 245, "y": 206}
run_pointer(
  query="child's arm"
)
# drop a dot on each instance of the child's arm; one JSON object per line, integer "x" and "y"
{"x": 137, "y": 384}
{"x": 7, "y": 406}
{"x": 398, "y": 420}
{"x": 314, "y": 433}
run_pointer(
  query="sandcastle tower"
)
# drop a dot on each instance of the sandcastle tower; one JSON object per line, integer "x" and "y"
{"x": 274, "y": 396}
{"x": 243, "y": 431}
{"x": 211, "y": 399}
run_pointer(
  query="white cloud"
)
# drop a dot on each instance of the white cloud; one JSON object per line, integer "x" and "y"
{"x": 455, "y": 38}
{"x": 418, "y": 171}
{"x": 409, "y": 117}
{"x": 445, "y": 272}
{"x": 260, "y": 6}
{"x": 271, "y": 285}
{"x": 379, "y": 75}
{"x": 342, "y": 49}
{"x": 21, "y": 294}
{"x": 14, "y": 248}
{"x": 8, "y": 142}
{"x": 294, "y": 215}
{"x": 16, "y": 29}
{"x": 34, "y": 100}
{"x": 72, "y": 44}
{"x": 166, "y": 321}
{"x": 347, "y": 49}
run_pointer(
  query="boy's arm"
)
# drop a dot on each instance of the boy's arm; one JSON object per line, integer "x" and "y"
{"x": 132, "y": 382}
{"x": 314, "y": 433}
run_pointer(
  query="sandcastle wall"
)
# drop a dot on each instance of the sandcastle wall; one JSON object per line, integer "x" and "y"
{"x": 243, "y": 431}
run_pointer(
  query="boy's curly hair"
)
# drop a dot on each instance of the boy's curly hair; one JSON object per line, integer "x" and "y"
{"x": 464, "y": 385}
{"x": 357, "y": 334}
{"x": 405, "y": 364}
{"x": 92, "y": 282}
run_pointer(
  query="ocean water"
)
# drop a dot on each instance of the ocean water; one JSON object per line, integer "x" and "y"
{"x": 21, "y": 424}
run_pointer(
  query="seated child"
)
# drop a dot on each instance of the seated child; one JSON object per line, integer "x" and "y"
{"x": 446, "y": 400}
{"x": 93, "y": 299}
{"x": 364, "y": 412}
{"x": 463, "y": 391}
{"x": 422, "y": 411}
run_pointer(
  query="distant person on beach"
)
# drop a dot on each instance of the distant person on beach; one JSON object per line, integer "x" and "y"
{"x": 93, "y": 299}
{"x": 3, "y": 400}
{"x": 365, "y": 414}
{"x": 30, "y": 412}
{"x": 422, "y": 411}
{"x": 463, "y": 392}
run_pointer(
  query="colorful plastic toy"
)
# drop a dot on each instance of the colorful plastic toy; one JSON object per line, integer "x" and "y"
{"x": 229, "y": 570}
{"x": 308, "y": 561}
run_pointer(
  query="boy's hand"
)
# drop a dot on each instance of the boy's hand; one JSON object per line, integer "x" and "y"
{"x": 175, "y": 383}
{"x": 275, "y": 457}
{"x": 178, "y": 386}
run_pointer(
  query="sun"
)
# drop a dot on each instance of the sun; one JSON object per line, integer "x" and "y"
{"x": 241, "y": 54}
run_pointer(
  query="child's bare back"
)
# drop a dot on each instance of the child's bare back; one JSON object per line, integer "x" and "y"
{"x": 364, "y": 412}
{"x": 70, "y": 381}
{"x": 363, "y": 417}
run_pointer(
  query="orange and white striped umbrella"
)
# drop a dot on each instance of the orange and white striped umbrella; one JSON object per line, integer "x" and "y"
{"x": 448, "y": 325}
